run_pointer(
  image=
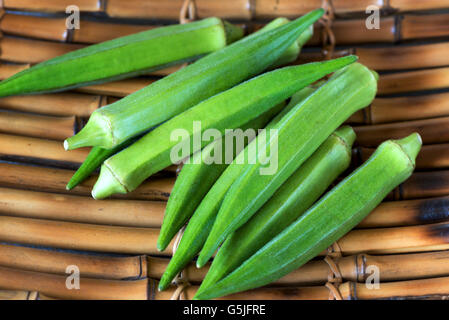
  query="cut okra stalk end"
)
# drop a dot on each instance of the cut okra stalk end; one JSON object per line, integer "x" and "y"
{"x": 410, "y": 145}
{"x": 346, "y": 134}
{"x": 107, "y": 184}
{"x": 96, "y": 132}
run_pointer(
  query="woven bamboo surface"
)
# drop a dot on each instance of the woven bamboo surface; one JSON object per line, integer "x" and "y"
{"x": 44, "y": 228}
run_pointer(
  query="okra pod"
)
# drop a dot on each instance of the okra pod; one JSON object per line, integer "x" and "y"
{"x": 330, "y": 218}
{"x": 200, "y": 173}
{"x": 228, "y": 110}
{"x": 291, "y": 200}
{"x": 214, "y": 73}
{"x": 300, "y": 133}
{"x": 202, "y": 220}
{"x": 124, "y": 57}
{"x": 98, "y": 154}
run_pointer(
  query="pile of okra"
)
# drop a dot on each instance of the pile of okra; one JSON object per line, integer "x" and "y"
{"x": 264, "y": 206}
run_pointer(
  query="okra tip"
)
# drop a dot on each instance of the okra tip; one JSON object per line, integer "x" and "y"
{"x": 411, "y": 145}
{"x": 107, "y": 184}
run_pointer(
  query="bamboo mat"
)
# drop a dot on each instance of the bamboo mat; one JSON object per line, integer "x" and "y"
{"x": 44, "y": 228}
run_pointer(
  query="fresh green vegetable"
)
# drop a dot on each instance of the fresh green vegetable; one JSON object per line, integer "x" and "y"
{"x": 124, "y": 57}
{"x": 97, "y": 155}
{"x": 163, "y": 99}
{"x": 300, "y": 133}
{"x": 198, "y": 176}
{"x": 93, "y": 160}
{"x": 202, "y": 220}
{"x": 200, "y": 173}
{"x": 228, "y": 110}
{"x": 291, "y": 200}
{"x": 330, "y": 218}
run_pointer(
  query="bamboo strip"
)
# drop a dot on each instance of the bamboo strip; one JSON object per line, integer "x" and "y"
{"x": 58, "y": 104}
{"x": 160, "y": 9}
{"x": 424, "y": 26}
{"x": 354, "y": 31}
{"x": 292, "y": 8}
{"x": 52, "y": 5}
{"x": 430, "y": 237}
{"x": 55, "y": 286}
{"x": 431, "y": 130}
{"x": 55, "y": 180}
{"x": 231, "y": 9}
{"x": 17, "y": 147}
{"x": 413, "y": 81}
{"x": 352, "y": 268}
{"x": 390, "y": 58}
{"x": 7, "y": 70}
{"x": 404, "y": 57}
{"x": 434, "y": 156}
{"x": 287, "y": 8}
{"x": 96, "y": 31}
{"x": 152, "y": 9}
{"x": 384, "y": 110}
{"x": 120, "y": 88}
{"x": 56, "y": 262}
{"x": 32, "y": 51}
{"x": 424, "y": 185}
{"x": 80, "y": 236}
{"x": 34, "y": 27}
{"x": 49, "y": 127}
{"x": 42, "y": 205}
{"x": 435, "y": 288}
{"x": 18, "y": 295}
{"x": 416, "y": 5}
{"x": 347, "y": 31}
{"x": 69, "y": 235}
{"x": 408, "y": 212}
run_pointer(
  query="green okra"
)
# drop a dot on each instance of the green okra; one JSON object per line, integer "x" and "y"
{"x": 300, "y": 133}
{"x": 195, "y": 178}
{"x": 202, "y": 220}
{"x": 200, "y": 173}
{"x": 214, "y": 73}
{"x": 336, "y": 213}
{"x": 230, "y": 109}
{"x": 124, "y": 57}
{"x": 291, "y": 200}
{"x": 97, "y": 155}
